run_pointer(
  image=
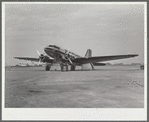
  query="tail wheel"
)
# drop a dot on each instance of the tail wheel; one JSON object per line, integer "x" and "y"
{"x": 142, "y": 67}
{"x": 73, "y": 68}
{"x": 47, "y": 68}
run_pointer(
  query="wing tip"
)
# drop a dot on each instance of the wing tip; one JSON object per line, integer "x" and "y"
{"x": 16, "y": 57}
{"x": 133, "y": 55}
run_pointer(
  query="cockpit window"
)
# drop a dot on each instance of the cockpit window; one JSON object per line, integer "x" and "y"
{"x": 54, "y": 46}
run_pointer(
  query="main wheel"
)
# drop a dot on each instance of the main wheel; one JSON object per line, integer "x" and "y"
{"x": 62, "y": 68}
{"x": 73, "y": 68}
{"x": 47, "y": 68}
{"x": 66, "y": 67}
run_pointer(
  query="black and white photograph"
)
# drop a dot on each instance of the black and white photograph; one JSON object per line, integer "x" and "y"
{"x": 74, "y": 60}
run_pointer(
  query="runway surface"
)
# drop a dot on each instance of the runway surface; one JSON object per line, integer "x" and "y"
{"x": 105, "y": 87}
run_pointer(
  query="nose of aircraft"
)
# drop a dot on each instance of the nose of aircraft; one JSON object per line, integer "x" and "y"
{"x": 47, "y": 49}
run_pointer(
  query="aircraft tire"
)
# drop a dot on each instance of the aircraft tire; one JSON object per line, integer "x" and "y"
{"x": 142, "y": 67}
{"x": 62, "y": 68}
{"x": 47, "y": 68}
{"x": 73, "y": 68}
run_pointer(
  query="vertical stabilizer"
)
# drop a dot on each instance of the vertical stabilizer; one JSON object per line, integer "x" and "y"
{"x": 88, "y": 66}
{"x": 88, "y": 53}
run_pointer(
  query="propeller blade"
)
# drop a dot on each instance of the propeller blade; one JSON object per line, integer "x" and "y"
{"x": 38, "y": 52}
{"x": 67, "y": 52}
{"x": 70, "y": 60}
{"x": 39, "y": 62}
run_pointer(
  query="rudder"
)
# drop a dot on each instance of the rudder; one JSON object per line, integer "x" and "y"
{"x": 90, "y": 65}
{"x": 88, "y": 53}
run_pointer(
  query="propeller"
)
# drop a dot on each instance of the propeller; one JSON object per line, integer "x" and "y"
{"x": 67, "y": 55}
{"x": 41, "y": 57}
{"x": 39, "y": 61}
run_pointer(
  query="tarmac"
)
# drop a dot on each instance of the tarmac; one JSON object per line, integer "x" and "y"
{"x": 104, "y": 87}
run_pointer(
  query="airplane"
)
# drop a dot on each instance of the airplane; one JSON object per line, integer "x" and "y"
{"x": 55, "y": 54}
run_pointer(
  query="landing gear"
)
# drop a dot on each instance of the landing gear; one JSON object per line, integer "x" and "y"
{"x": 64, "y": 67}
{"x": 142, "y": 67}
{"x": 48, "y": 66}
{"x": 73, "y": 68}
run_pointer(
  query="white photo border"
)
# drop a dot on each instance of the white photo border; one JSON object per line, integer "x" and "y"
{"x": 139, "y": 114}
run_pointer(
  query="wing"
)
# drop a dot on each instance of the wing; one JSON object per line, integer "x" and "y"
{"x": 28, "y": 59}
{"x": 46, "y": 59}
{"x": 101, "y": 58}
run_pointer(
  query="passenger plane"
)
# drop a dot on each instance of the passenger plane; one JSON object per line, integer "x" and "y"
{"x": 55, "y": 54}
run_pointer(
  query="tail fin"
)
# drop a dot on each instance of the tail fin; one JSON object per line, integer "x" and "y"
{"x": 88, "y": 53}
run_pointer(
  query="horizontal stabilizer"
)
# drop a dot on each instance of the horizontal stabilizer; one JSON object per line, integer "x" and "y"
{"x": 99, "y": 64}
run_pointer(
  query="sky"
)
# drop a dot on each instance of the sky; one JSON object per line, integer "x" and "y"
{"x": 106, "y": 29}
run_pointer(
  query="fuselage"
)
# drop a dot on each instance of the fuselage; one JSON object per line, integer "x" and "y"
{"x": 55, "y": 52}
